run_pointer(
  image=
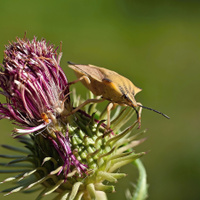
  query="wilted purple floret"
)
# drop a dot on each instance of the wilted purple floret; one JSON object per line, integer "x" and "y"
{"x": 33, "y": 83}
{"x": 62, "y": 145}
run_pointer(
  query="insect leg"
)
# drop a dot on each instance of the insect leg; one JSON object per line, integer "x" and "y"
{"x": 87, "y": 80}
{"x": 109, "y": 107}
{"x": 85, "y": 103}
{"x": 139, "y": 112}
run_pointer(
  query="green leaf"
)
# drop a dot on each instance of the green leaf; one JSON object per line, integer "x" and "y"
{"x": 141, "y": 188}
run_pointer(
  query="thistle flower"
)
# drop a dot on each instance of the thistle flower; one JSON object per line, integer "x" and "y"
{"x": 72, "y": 156}
{"x": 33, "y": 83}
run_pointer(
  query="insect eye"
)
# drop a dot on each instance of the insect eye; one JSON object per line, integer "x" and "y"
{"x": 125, "y": 96}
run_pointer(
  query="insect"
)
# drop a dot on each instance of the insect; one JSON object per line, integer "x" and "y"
{"x": 45, "y": 117}
{"x": 110, "y": 86}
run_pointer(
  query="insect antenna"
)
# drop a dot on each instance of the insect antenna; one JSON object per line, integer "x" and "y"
{"x": 70, "y": 63}
{"x": 136, "y": 111}
{"x": 155, "y": 111}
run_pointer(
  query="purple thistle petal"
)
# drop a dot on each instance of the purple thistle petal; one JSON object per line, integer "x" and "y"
{"x": 22, "y": 132}
{"x": 65, "y": 152}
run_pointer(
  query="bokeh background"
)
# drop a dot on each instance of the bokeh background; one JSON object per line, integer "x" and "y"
{"x": 156, "y": 44}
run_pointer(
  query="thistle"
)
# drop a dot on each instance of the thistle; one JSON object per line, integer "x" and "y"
{"x": 74, "y": 156}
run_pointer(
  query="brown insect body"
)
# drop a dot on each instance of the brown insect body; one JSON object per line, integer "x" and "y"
{"x": 108, "y": 84}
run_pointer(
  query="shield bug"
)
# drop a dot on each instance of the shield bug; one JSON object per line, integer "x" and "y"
{"x": 110, "y": 86}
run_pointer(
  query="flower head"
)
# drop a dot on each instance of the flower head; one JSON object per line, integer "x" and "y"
{"x": 33, "y": 83}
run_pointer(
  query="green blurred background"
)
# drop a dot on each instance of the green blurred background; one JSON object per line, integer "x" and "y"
{"x": 156, "y": 44}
